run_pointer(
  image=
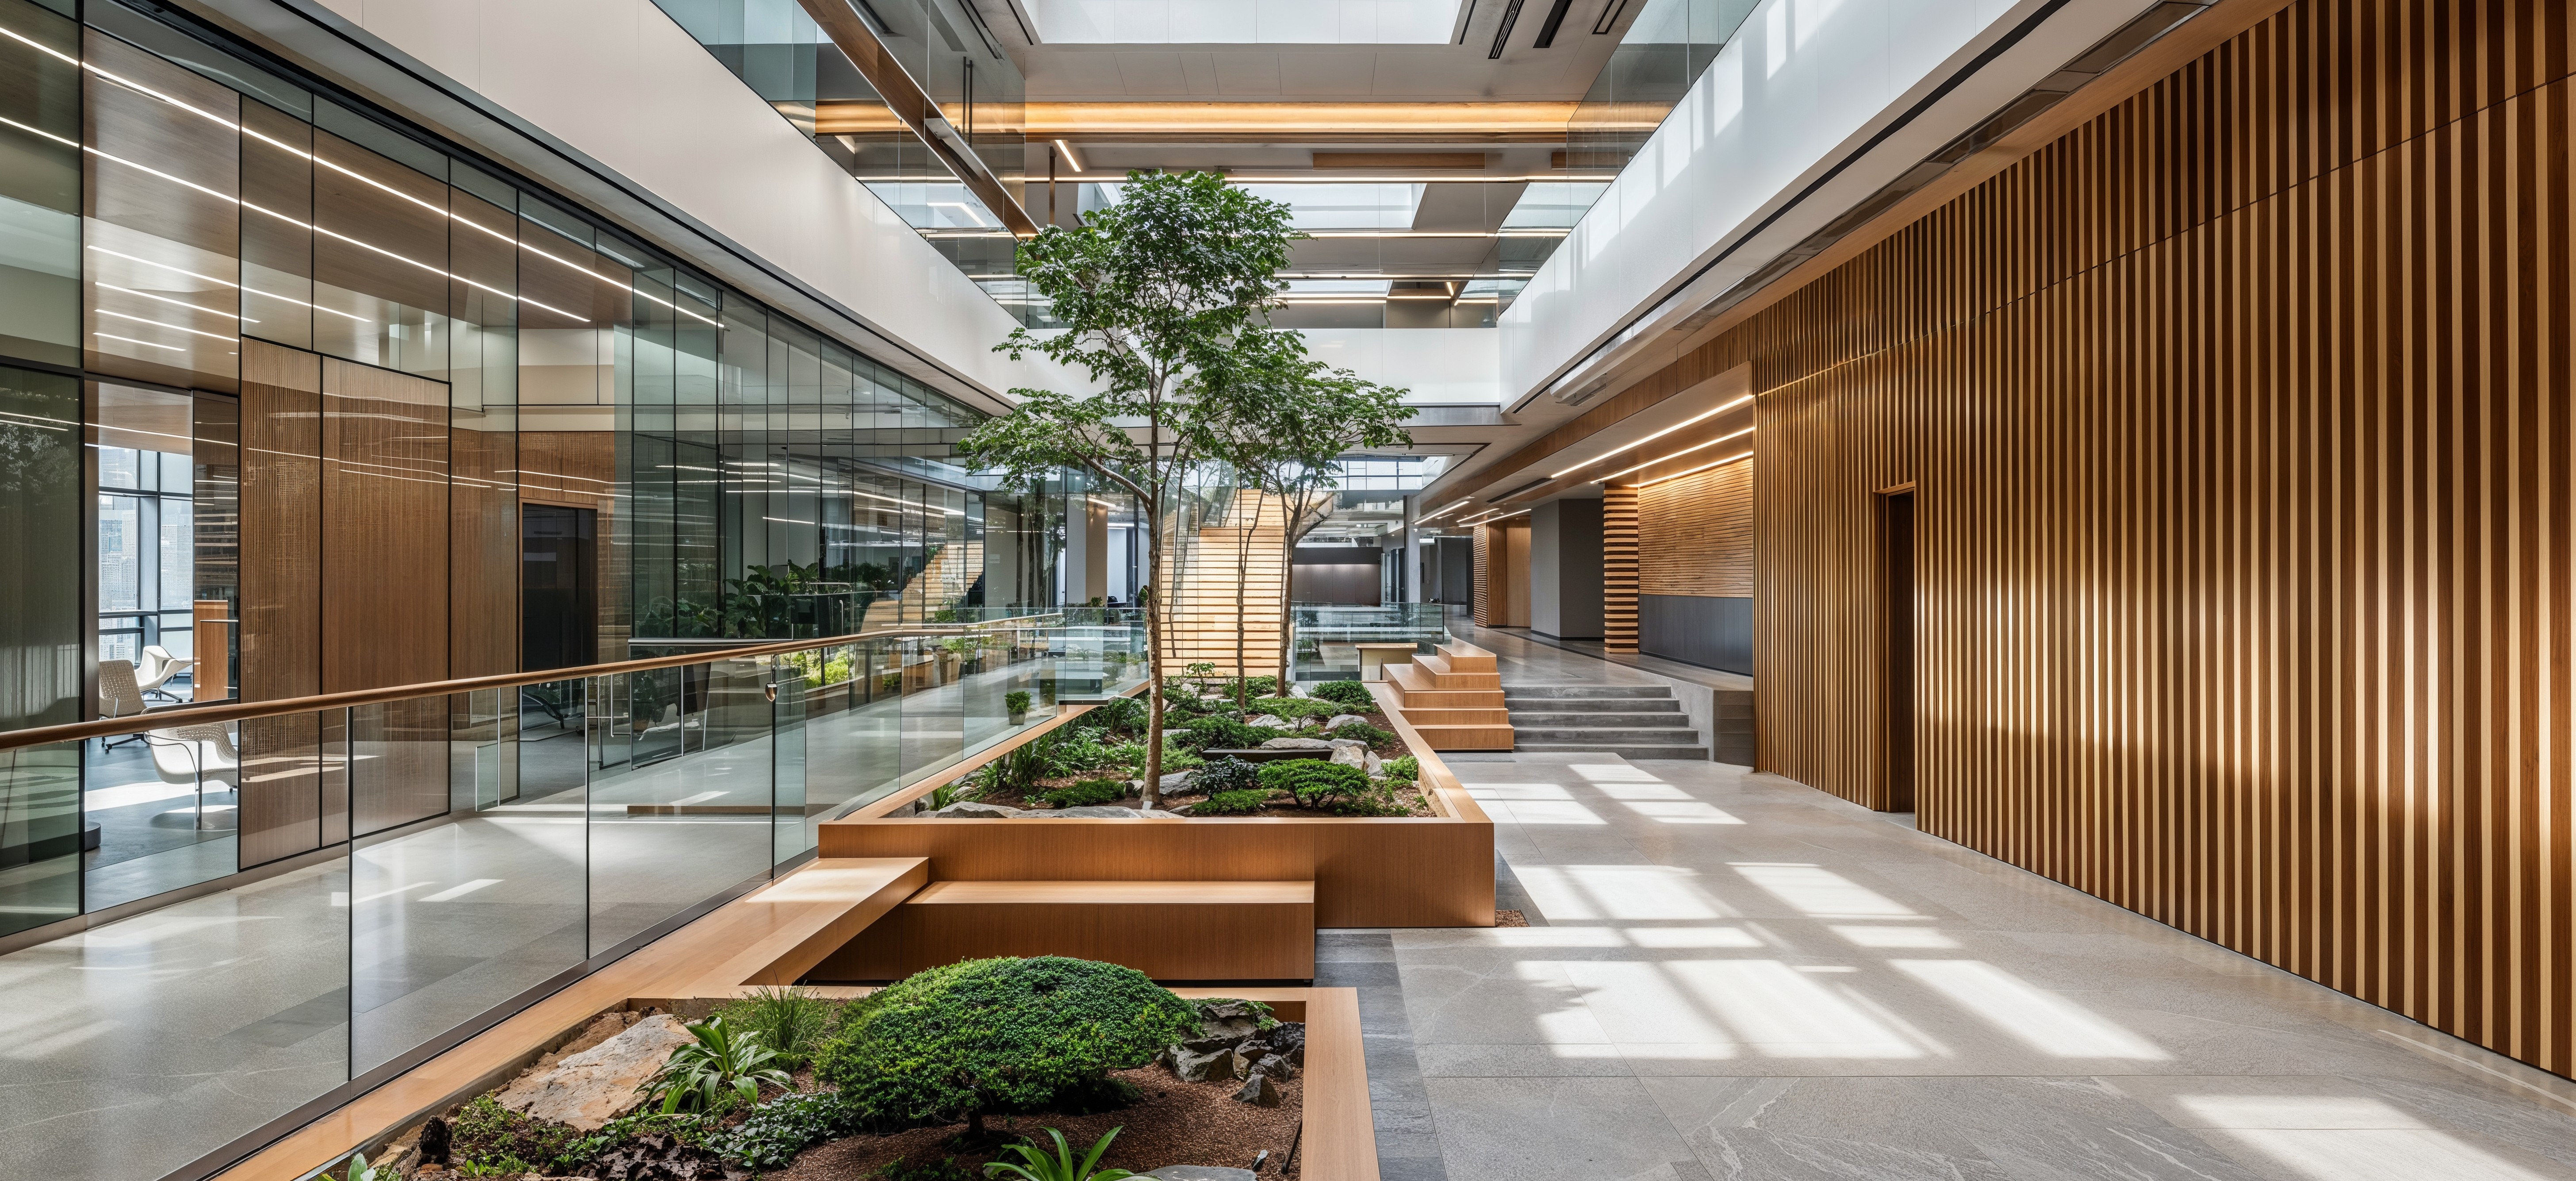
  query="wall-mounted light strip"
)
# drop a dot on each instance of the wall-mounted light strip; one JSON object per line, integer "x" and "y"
{"x": 1675, "y": 455}
{"x": 1069, "y": 157}
{"x": 1704, "y": 415}
{"x": 1701, "y": 468}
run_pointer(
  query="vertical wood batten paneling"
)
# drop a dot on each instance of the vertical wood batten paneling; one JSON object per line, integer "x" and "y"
{"x": 1619, "y": 568}
{"x": 2238, "y": 425}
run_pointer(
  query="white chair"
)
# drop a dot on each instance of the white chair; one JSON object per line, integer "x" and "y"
{"x": 192, "y": 754}
{"x": 119, "y": 695}
{"x": 158, "y": 667}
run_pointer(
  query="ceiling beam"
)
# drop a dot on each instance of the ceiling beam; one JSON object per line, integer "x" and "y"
{"x": 906, "y": 100}
{"x": 1275, "y": 122}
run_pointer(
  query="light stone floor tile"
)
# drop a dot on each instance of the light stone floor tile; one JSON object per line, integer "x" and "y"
{"x": 1755, "y": 980}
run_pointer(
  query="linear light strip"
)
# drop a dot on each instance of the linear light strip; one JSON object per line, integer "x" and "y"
{"x": 1675, "y": 455}
{"x": 159, "y": 324}
{"x": 1701, "y": 468}
{"x": 166, "y": 299}
{"x": 1452, "y": 506}
{"x": 1651, "y": 438}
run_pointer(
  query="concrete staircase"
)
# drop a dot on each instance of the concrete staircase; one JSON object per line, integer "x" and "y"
{"x": 1454, "y": 698}
{"x": 1636, "y": 721}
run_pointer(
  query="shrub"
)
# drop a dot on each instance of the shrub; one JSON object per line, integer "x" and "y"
{"x": 1364, "y": 732}
{"x": 1021, "y": 766}
{"x": 1219, "y": 733}
{"x": 791, "y": 1021}
{"x": 1297, "y": 707}
{"x": 1406, "y": 768}
{"x": 1350, "y": 693}
{"x": 1128, "y": 756}
{"x": 1257, "y": 687}
{"x": 723, "y": 1069}
{"x": 1226, "y": 775}
{"x": 1017, "y": 701}
{"x": 969, "y": 1037}
{"x": 1037, "y": 1164}
{"x": 1177, "y": 757}
{"x": 1079, "y": 752}
{"x": 1232, "y": 803}
{"x": 486, "y": 1134}
{"x": 1314, "y": 782}
{"x": 774, "y": 1132}
{"x": 1084, "y": 793}
{"x": 1119, "y": 714}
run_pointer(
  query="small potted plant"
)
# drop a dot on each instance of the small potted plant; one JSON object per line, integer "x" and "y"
{"x": 1017, "y": 702}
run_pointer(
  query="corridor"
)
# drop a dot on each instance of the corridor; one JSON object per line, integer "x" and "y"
{"x": 1731, "y": 975}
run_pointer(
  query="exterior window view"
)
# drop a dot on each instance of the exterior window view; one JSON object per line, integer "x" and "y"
{"x": 1267, "y": 590}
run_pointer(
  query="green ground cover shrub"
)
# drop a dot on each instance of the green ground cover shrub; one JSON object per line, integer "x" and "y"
{"x": 1405, "y": 767}
{"x": 1233, "y": 803}
{"x": 1256, "y": 687}
{"x": 968, "y": 1038}
{"x": 774, "y": 1132}
{"x": 1221, "y": 733}
{"x": 791, "y": 1021}
{"x": 1314, "y": 782}
{"x": 1297, "y": 707}
{"x": 1120, "y": 715}
{"x": 1226, "y": 775}
{"x": 1084, "y": 793}
{"x": 488, "y": 1135}
{"x": 1364, "y": 732}
{"x": 1350, "y": 693}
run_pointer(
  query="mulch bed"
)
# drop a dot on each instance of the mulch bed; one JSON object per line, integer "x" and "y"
{"x": 1176, "y": 1123}
{"x": 1510, "y": 918}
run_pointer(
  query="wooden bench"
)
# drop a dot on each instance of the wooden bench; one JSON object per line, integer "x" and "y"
{"x": 778, "y": 933}
{"x": 1167, "y": 930}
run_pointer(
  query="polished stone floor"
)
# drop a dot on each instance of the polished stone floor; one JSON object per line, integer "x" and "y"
{"x": 1739, "y": 977}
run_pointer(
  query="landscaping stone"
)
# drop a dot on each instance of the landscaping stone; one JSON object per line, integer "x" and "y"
{"x": 1192, "y": 1066}
{"x": 1300, "y": 744}
{"x": 970, "y": 810}
{"x": 1178, "y": 783}
{"x": 1351, "y": 756}
{"x": 1273, "y": 722}
{"x": 1274, "y": 1066}
{"x": 1100, "y": 812}
{"x": 1259, "y": 1091}
{"x": 1288, "y": 1040}
{"x": 1202, "y": 1173}
{"x": 1337, "y": 721}
{"x": 590, "y": 1088}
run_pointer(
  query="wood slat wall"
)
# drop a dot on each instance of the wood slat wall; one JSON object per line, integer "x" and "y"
{"x": 1619, "y": 568}
{"x": 1696, "y": 534}
{"x": 1484, "y": 606}
{"x": 2238, "y": 422}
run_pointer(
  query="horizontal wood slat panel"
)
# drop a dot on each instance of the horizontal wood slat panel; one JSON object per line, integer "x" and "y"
{"x": 2237, "y": 420}
{"x": 1695, "y": 534}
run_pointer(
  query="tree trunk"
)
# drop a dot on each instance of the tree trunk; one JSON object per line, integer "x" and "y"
{"x": 1242, "y": 558}
{"x": 1150, "y": 600}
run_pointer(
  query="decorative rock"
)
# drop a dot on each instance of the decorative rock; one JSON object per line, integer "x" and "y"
{"x": 1374, "y": 762}
{"x": 1177, "y": 783}
{"x": 1337, "y": 721}
{"x": 1274, "y": 1066}
{"x": 1240, "y": 1062}
{"x": 1273, "y": 722}
{"x": 1258, "y": 1091}
{"x": 597, "y": 1085}
{"x": 970, "y": 810}
{"x": 1351, "y": 756}
{"x": 1191, "y": 1066}
{"x": 1093, "y": 812}
{"x": 1299, "y": 744}
{"x": 434, "y": 1141}
{"x": 1202, "y": 1173}
{"x": 1288, "y": 1040}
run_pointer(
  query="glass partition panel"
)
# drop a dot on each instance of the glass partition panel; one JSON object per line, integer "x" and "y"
{"x": 934, "y": 715}
{"x": 162, "y": 240}
{"x": 453, "y": 917}
{"x": 40, "y": 170}
{"x": 40, "y": 835}
{"x": 680, "y": 805}
{"x": 790, "y": 835}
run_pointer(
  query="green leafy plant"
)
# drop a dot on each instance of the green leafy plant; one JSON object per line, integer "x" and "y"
{"x": 1297, "y": 707}
{"x": 1020, "y": 767}
{"x": 790, "y": 1021}
{"x": 356, "y": 1168}
{"x": 1085, "y": 793}
{"x": 774, "y": 1132}
{"x": 1037, "y": 1164}
{"x": 1214, "y": 732}
{"x": 1017, "y": 701}
{"x": 1233, "y": 803}
{"x": 1119, "y": 715}
{"x": 1177, "y": 757}
{"x": 1226, "y": 775}
{"x": 724, "y": 1067}
{"x": 1405, "y": 767}
{"x": 1078, "y": 752}
{"x": 966, "y": 788}
{"x": 1314, "y": 782}
{"x": 1364, "y": 732}
{"x": 486, "y": 1133}
{"x": 1350, "y": 693}
{"x": 971, "y": 1037}
{"x": 1237, "y": 689}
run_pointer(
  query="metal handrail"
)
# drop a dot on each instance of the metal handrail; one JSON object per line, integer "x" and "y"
{"x": 243, "y": 710}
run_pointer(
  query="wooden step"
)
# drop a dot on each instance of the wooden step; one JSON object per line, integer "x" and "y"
{"x": 800, "y": 920}
{"x": 1466, "y": 658}
{"x": 1437, "y": 671}
{"x": 1167, "y": 930}
{"x": 1465, "y": 737}
{"x": 1436, "y": 716}
{"x": 1415, "y": 689}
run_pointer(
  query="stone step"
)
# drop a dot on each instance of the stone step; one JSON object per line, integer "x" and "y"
{"x": 1563, "y": 721}
{"x": 1608, "y": 738}
{"x": 1579, "y": 691}
{"x": 1629, "y": 751}
{"x": 1604, "y": 705}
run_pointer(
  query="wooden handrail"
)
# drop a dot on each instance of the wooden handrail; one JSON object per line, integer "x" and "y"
{"x": 242, "y": 710}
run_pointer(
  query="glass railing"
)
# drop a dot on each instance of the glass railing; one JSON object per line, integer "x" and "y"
{"x": 1326, "y": 637}
{"x": 317, "y": 899}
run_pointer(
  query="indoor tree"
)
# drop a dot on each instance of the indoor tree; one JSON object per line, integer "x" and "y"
{"x": 1153, "y": 295}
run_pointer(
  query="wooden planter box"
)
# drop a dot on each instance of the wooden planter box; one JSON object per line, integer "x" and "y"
{"x": 1428, "y": 871}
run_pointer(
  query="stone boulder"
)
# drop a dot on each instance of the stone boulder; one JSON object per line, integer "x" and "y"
{"x": 1177, "y": 783}
{"x": 1352, "y": 756}
{"x": 970, "y": 810}
{"x": 1192, "y": 1066}
{"x": 1337, "y": 721}
{"x": 1288, "y": 1040}
{"x": 595, "y": 1086}
{"x": 1273, "y": 722}
{"x": 1259, "y": 1091}
{"x": 1302, "y": 744}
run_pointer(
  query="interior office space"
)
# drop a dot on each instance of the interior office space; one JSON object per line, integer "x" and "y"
{"x": 2021, "y": 543}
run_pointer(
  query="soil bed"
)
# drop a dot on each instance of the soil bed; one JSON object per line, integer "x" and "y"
{"x": 1176, "y": 1123}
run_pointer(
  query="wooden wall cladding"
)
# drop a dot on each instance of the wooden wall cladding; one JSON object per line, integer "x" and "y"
{"x": 1695, "y": 534}
{"x": 1619, "y": 568}
{"x": 281, "y": 598}
{"x": 1484, "y": 606}
{"x": 2239, "y": 430}
{"x": 384, "y": 545}
{"x": 483, "y": 560}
